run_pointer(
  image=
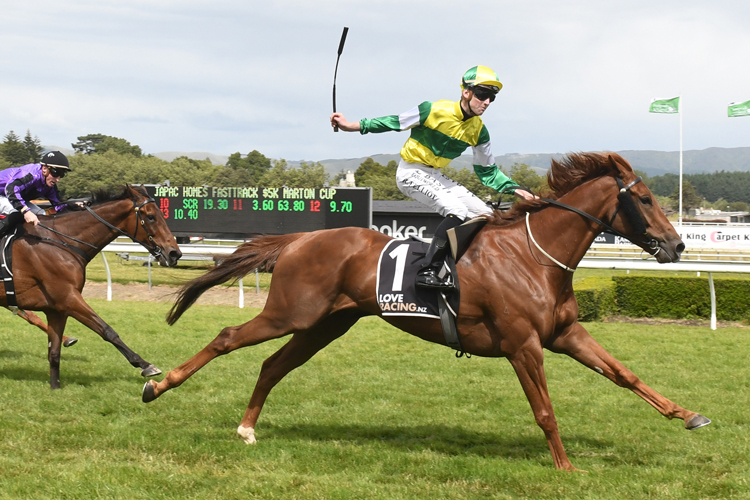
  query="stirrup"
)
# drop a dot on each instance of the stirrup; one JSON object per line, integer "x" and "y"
{"x": 428, "y": 278}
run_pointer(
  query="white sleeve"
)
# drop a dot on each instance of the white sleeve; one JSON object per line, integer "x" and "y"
{"x": 483, "y": 155}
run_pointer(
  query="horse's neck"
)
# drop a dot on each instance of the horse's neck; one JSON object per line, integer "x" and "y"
{"x": 566, "y": 235}
{"x": 85, "y": 227}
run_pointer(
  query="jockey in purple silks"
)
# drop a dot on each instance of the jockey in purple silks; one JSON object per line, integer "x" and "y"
{"x": 20, "y": 185}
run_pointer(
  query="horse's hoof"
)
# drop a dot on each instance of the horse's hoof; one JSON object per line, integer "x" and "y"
{"x": 247, "y": 434}
{"x": 70, "y": 341}
{"x": 150, "y": 371}
{"x": 149, "y": 394}
{"x": 696, "y": 421}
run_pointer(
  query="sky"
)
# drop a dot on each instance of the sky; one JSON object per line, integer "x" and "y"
{"x": 225, "y": 76}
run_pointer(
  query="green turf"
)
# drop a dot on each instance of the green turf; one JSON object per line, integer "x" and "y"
{"x": 377, "y": 415}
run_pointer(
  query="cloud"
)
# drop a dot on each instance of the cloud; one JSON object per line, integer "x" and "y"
{"x": 227, "y": 76}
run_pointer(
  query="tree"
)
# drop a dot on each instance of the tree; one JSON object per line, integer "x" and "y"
{"x": 308, "y": 175}
{"x": 738, "y": 206}
{"x": 33, "y": 147}
{"x": 13, "y": 151}
{"x": 111, "y": 170}
{"x": 690, "y": 198}
{"x": 255, "y": 165}
{"x": 100, "y": 143}
{"x": 525, "y": 176}
{"x": 381, "y": 178}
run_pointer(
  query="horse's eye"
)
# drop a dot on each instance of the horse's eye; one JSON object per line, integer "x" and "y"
{"x": 646, "y": 200}
{"x": 151, "y": 218}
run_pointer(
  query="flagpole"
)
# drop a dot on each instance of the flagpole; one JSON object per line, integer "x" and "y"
{"x": 679, "y": 220}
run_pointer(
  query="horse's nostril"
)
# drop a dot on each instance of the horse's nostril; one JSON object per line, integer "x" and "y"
{"x": 680, "y": 248}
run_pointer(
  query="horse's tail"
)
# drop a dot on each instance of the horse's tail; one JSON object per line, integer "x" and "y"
{"x": 259, "y": 253}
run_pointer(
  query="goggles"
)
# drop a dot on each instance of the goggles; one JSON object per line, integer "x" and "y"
{"x": 483, "y": 93}
{"x": 57, "y": 172}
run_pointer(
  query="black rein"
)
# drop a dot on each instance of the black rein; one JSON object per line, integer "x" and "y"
{"x": 632, "y": 214}
{"x": 153, "y": 249}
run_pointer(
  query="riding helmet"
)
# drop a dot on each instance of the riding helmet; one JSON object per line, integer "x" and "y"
{"x": 55, "y": 159}
{"x": 481, "y": 75}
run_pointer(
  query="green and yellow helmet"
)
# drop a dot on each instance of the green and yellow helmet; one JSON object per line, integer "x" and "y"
{"x": 481, "y": 75}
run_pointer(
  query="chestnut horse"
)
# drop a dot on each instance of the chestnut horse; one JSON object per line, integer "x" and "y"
{"x": 49, "y": 265}
{"x": 515, "y": 299}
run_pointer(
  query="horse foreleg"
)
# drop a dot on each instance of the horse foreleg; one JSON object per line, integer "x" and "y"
{"x": 35, "y": 320}
{"x": 528, "y": 362}
{"x": 577, "y": 343}
{"x": 81, "y": 311}
{"x": 54, "y": 335}
{"x": 296, "y": 352}
{"x": 259, "y": 329}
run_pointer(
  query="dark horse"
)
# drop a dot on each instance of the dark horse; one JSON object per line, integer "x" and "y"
{"x": 49, "y": 264}
{"x": 515, "y": 300}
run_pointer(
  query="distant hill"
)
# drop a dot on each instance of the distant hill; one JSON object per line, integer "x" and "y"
{"x": 215, "y": 159}
{"x": 652, "y": 162}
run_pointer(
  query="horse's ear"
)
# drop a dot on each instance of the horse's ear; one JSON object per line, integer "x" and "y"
{"x": 622, "y": 167}
{"x": 613, "y": 162}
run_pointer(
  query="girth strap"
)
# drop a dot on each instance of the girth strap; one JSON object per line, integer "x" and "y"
{"x": 6, "y": 270}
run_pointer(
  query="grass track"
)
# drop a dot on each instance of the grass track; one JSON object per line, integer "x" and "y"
{"x": 377, "y": 415}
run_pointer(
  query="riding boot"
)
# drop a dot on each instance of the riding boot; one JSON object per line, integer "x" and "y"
{"x": 427, "y": 277}
{"x": 9, "y": 222}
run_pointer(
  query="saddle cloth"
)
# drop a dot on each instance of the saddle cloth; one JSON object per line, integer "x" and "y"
{"x": 397, "y": 272}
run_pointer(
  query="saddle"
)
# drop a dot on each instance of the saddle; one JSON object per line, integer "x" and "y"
{"x": 397, "y": 267}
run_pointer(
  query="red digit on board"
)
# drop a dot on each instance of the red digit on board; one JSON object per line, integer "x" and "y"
{"x": 164, "y": 206}
{"x": 314, "y": 206}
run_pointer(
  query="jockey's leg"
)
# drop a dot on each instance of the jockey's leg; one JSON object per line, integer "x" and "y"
{"x": 427, "y": 277}
{"x": 10, "y": 221}
{"x": 447, "y": 197}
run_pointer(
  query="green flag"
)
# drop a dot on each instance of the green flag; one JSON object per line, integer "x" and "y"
{"x": 665, "y": 105}
{"x": 739, "y": 109}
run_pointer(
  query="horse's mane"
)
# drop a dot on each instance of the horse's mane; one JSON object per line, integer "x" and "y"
{"x": 101, "y": 196}
{"x": 564, "y": 175}
{"x": 104, "y": 195}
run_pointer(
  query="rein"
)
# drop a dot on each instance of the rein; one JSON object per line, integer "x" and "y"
{"x": 153, "y": 249}
{"x": 628, "y": 208}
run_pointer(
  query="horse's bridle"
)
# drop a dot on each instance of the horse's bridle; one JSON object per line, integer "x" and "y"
{"x": 153, "y": 248}
{"x": 630, "y": 211}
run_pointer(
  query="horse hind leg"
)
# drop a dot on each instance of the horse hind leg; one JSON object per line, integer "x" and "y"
{"x": 577, "y": 343}
{"x": 260, "y": 329}
{"x": 302, "y": 346}
{"x": 35, "y": 320}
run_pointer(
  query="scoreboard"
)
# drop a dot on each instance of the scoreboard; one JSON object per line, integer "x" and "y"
{"x": 239, "y": 212}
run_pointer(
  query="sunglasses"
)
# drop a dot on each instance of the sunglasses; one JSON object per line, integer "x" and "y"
{"x": 57, "y": 172}
{"x": 483, "y": 94}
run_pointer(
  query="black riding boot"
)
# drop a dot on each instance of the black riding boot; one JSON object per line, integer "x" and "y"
{"x": 9, "y": 222}
{"x": 427, "y": 277}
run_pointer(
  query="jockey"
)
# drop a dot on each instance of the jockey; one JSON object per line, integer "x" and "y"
{"x": 20, "y": 185}
{"x": 440, "y": 132}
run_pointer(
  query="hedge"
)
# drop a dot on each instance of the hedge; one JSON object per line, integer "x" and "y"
{"x": 664, "y": 297}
